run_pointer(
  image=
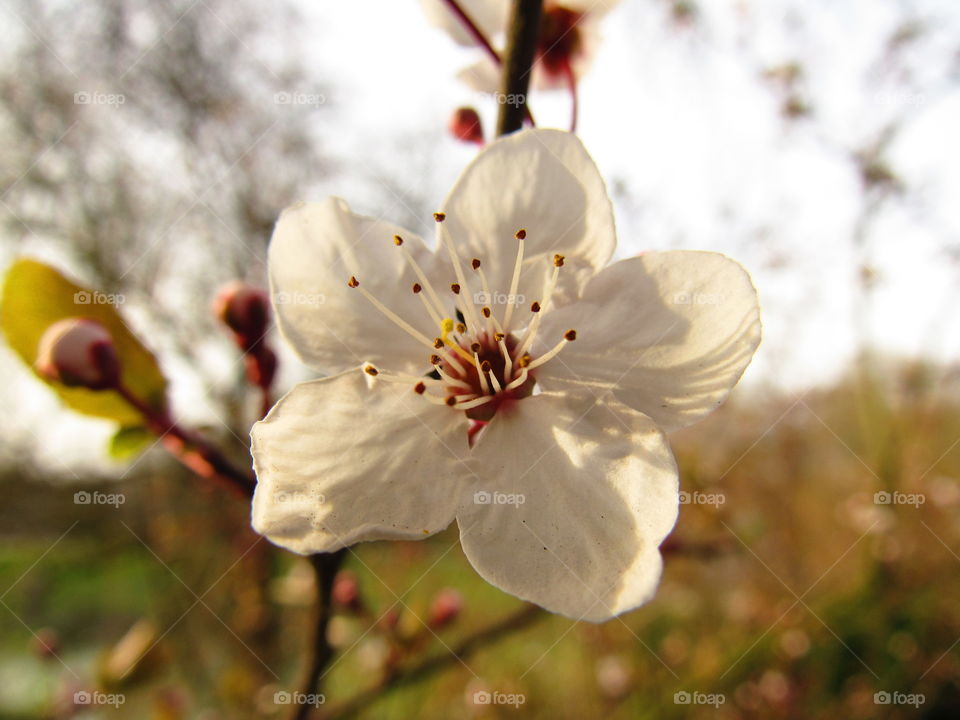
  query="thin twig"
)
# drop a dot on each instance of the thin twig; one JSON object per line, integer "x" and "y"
{"x": 423, "y": 669}
{"x": 325, "y": 567}
{"x": 518, "y": 62}
{"x": 192, "y": 450}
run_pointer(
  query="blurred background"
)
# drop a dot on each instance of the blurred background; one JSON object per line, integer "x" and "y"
{"x": 147, "y": 150}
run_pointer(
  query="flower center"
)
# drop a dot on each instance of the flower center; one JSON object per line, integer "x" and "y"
{"x": 480, "y": 362}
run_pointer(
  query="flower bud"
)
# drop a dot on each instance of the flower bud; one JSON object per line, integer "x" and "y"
{"x": 444, "y": 608}
{"x": 78, "y": 352}
{"x": 346, "y": 590}
{"x": 465, "y": 125}
{"x": 245, "y": 310}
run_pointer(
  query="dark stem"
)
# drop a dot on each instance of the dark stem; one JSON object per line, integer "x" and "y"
{"x": 193, "y": 451}
{"x": 325, "y": 567}
{"x": 518, "y": 62}
{"x": 423, "y": 669}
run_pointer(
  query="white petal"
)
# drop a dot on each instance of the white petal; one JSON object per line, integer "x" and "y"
{"x": 490, "y": 16}
{"x": 599, "y": 488}
{"x": 544, "y": 182}
{"x": 670, "y": 333}
{"x": 314, "y": 250}
{"x": 339, "y": 463}
{"x": 482, "y": 76}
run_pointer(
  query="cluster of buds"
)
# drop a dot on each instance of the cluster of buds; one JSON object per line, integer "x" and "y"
{"x": 246, "y": 311}
{"x": 79, "y": 352}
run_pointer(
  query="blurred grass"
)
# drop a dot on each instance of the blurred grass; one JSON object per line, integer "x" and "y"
{"x": 798, "y": 597}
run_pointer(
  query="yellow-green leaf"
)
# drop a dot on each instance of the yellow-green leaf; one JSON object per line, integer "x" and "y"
{"x": 35, "y": 296}
{"x": 128, "y": 442}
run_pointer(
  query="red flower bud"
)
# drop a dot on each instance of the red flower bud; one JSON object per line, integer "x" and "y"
{"x": 445, "y": 608}
{"x": 79, "y": 352}
{"x": 245, "y": 310}
{"x": 465, "y": 125}
{"x": 346, "y": 590}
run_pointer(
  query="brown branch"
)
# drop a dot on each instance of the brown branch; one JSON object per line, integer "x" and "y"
{"x": 518, "y": 62}
{"x": 325, "y": 567}
{"x": 423, "y": 669}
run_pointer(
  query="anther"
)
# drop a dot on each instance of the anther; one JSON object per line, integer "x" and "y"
{"x": 439, "y": 216}
{"x": 397, "y": 240}
{"x": 455, "y": 287}
{"x": 498, "y": 336}
{"x": 419, "y": 388}
{"x": 485, "y": 366}
{"x": 371, "y": 370}
{"x": 535, "y": 307}
{"x": 485, "y": 311}
{"x": 451, "y": 400}
{"x": 461, "y": 328}
{"x": 558, "y": 260}
{"x": 524, "y": 360}
{"x": 475, "y": 347}
{"x": 435, "y": 359}
{"x": 475, "y": 264}
{"x": 353, "y": 282}
{"x": 520, "y": 234}
{"x": 438, "y": 343}
{"x": 417, "y": 287}
{"x": 570, "y": 335}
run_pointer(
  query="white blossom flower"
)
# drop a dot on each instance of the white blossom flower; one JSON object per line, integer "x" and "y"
{"x": 566, "y": 45}
{"x": 576, "y": 367}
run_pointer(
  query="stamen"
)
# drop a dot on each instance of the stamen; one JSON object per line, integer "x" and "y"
{"x": 399, "y": 321}
{"x": 515, "y": 282}
{"x": 420, "y": 388}
{"x": 458, "y": 269}
{"x": 507, "y": 361}
{"x": 480, "y": 373}
{"x": 421, "y": 276}
{"x": 492, "y": 377}
{"x": 568, "y": 337}
{"x": 476, "y": 402}
{"x": 446, "y": 327}
{"x": 519, "y": 380}
{"x": 371, "y": 370}
{"x": 531, "y": 333}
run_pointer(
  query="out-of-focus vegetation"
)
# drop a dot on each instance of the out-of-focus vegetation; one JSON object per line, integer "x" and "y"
{"x": 797, "y": 593}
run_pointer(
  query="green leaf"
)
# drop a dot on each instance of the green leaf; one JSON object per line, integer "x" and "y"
{"x": 35, "y": 296}
{"x": 128, "y": 442}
